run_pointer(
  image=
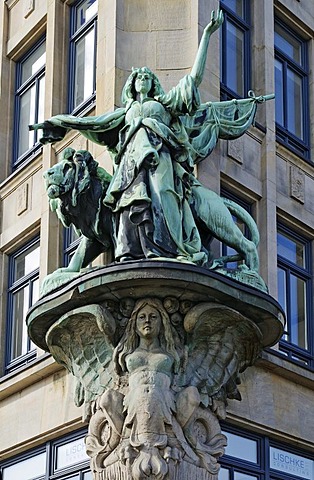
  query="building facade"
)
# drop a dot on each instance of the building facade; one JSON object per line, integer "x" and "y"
{"x": 64, "y": 56}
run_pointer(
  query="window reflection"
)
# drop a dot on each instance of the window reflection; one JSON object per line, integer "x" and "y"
{"x": 295, "y": 107}
{"x": 235, "y": 56}
{"x": 298, "y": 330}
{"x": 29, "y": 99}
{"x": 237, "y": 6}
{"x": 223, "y": 474}
{"x": 241, "y": 447}
{"x": 288, "y": 44}
{"x": 84, "y": 64}
{"x": 82, "y": 53}
{"x": 244, "y": 476}
{"x": 28, "y": 469}
{"x": 294, "y": 287}
{"x": 23, "y": 292}
{"x": 85, "y": 12}
{"x": 235, "y": 49}
{"x": 291, "y": 89}
{"x": 291, "y": 249}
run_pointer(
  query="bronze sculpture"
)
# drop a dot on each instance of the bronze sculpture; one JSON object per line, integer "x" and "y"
{"x": 154, "y": 369}
{"x": 154, "y": 205}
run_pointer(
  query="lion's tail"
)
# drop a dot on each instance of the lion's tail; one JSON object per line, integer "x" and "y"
{"x": 245, "y": 217}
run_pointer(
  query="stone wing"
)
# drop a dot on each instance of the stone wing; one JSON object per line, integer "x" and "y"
{"x": 221, "y": 344}
{"x": 82, "y": 341}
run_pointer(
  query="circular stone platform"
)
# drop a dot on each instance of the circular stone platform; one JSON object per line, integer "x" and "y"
{"x": 161, "y": 279}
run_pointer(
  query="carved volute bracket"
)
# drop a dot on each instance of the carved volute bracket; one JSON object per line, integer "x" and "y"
{"x": 155, "y": 363}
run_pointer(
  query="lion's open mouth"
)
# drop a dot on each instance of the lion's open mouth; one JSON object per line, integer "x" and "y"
{"x": 54, "y": 191}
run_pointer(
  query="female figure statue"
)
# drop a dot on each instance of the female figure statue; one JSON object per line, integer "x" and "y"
{"x": 147, "y": 355}
{"x": 157, "y": 206}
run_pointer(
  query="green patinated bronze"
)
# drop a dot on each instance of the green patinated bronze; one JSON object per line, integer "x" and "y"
{"x": 156, "y": 347}
{"x": 153, "y": 206}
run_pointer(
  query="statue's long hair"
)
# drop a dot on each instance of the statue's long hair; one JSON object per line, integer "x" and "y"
{"x": 129, "y": 92}
{"x": 130, "y": 339}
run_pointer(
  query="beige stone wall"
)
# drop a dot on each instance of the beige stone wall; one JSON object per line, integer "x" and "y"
{"x": 277, "y": 397}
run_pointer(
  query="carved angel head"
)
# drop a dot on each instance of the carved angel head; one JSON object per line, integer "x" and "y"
{"x": 130, "y": 339}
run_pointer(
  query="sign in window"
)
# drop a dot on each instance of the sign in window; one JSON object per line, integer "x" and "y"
{"x": 292, "y": 464}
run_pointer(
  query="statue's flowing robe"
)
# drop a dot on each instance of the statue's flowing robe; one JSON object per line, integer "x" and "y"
{"x": 154, "y": 145}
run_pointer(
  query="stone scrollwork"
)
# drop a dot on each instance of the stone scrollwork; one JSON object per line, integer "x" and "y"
{"x": 155, "y": 375}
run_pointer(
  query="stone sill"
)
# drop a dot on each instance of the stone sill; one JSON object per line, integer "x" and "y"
{"x": 40, "y": 368}
{"x": 286, "y": 369}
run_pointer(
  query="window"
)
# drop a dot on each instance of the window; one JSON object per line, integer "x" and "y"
{"x": 254, "y": 457}
{"x": 83, "y": 54}
{"x": 235, "y": 49}
{"x": 61, "y": 459}
{"x": 23, "y": 291}
{"x": 291, "y": 88}
{"x": 71, "y": 242}
{"x": 29, "y": 101}
{"x": 242, "y": 226}
{"x": 294, "y": 294}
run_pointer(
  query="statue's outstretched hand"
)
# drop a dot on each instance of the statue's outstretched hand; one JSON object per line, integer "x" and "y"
{"x": 216, "y": 20}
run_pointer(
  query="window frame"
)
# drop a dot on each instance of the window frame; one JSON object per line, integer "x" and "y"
{"x": 50, "y": 448}
{"x": 76, "y": 36}
{"x": 262, "y": 468}
{"x": 69, "y": 245}
{"x": 283, "y": 135}
{"x": 12, "y": 364}
{"x": 224, "y": 192}
{"x": 20, "y": 89}
{"x": 289, "y": 349}
{"x": 243, "y": 24}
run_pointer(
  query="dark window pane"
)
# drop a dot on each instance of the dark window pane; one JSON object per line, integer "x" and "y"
{"x": 288, "y": 44}
{"x": 291, "y": 249}
{"x": 279, "y": 98}
{"x": 237, "y": 6}
{"x": 294, "y": 104}
{"x": 234, "y": 58}
{"x": 298, "y": 333}
{"x": 85, "y": 12}
{"x": 282, "y": 288}
{"x": 291, "y": 88}
{"x": 232, "y": 251}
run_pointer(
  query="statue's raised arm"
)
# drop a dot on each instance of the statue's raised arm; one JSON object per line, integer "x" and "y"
{"x": 153, "y": 207}
{"x": 198, "y": 68}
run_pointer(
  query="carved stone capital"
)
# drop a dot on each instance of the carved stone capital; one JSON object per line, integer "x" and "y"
{"x": 157, "y": 356}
